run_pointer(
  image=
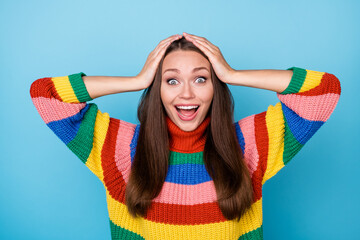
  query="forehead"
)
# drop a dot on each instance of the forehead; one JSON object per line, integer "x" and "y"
{"x": 185, "y": 61}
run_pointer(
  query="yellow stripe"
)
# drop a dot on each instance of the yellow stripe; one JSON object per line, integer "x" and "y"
{"x": 276, "y": 130}
{"x": 313, "y": 79}
{"x": 251, "y": 220}
{"x": 94, "y": 160}
{"x": 64, "y": 89}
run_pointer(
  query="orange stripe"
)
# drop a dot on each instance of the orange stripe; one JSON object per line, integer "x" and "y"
{"x": 262, "y": 141}
{"x": 185, "y": 214}
{"x": 329, "y": 84}
{"x": 44, "y": 87}
{"x": 113, "y": 179}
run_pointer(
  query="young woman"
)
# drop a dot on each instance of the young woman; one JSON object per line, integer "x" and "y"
{"x": 187, "y": 171}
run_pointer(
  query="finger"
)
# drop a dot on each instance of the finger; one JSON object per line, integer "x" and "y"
{"x": 211, "y": 46}
{"x": 204, "y": 49}
{"x": 194, "y": 37}
{"x": 171, "y": 38}
{"x": 155, "y": 60}
{"x": 165, "y": 44}
{"x": 161, "y": 50}
{"x": 191, "y": 35}
{"x": 166, "y": 41}
{"x": 204, "y": 45}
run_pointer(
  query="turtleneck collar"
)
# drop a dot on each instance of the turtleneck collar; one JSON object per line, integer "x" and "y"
{"x": 187, "y": 142}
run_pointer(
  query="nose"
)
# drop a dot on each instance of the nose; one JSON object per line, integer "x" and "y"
{"x": 187, "y": 91}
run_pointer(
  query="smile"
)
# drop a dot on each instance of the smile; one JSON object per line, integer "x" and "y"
{"x": 187, "y": 112}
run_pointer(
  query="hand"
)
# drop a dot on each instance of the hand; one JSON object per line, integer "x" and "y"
{"x": 147, "y": 74}
{"x": 222, "y": 69}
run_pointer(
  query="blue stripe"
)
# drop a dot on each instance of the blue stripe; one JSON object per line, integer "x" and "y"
{"x": 188, "y": 174}
{"x": 67, "y": 128}
{"x": 133, "y": 143}
{"x": 301, "y": 128}
{"x": 240, "y": 136}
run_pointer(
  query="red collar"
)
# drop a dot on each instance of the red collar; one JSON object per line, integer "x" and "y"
{"x": 187, "y": 142}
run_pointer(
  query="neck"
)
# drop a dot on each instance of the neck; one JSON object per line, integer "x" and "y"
{"x": 187, "y": 142}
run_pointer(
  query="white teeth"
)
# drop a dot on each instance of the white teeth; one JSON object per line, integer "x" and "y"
{"x": 187, "y": 107}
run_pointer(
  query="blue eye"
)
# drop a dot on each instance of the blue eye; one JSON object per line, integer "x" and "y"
{"x": 202, "y": 81}
{"x": 171, "y": 81}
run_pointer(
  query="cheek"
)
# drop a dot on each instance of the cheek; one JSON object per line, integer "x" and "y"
{"x": 165, "y": 97}
{"x": 165, "y": 102}
{"x": 208, "y": 95}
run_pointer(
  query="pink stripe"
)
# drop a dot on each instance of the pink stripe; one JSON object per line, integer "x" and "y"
{"x": 122, "y": 148}
{"x": 251, "y": 154}
{"x": 313, "y": 108}
{"x": 187, "y": 194}
{"x": 51, "y": 109}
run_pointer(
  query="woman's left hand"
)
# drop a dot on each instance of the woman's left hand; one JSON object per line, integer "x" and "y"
{"x": 222, "y": 69}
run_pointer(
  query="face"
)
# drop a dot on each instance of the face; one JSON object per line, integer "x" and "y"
{"x": 186, "y": 88}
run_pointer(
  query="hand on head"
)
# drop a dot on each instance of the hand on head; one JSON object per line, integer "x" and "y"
{"x": 222, "y": 69}
{"x": 146, "y": 76}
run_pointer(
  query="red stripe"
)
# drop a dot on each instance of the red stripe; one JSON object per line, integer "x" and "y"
{"x": 44, "y": 87}
{"x": 262, "y": 143}
{"x": 113, "y": 178}
{"x": 329, "y": 84}
{"x": 185, "y": 214}
{"x": 158, "y": 212}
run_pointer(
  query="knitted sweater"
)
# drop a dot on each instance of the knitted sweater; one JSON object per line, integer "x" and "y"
{"x": 186, "y": 207}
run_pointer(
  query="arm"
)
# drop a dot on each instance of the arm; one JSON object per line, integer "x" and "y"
{"x": 98, "y": 86}
{"x": 272, "y": 138}
{"x": 86, "y": 131}
{"x": 274, "y": 80}
{"x": 62, "y": 104}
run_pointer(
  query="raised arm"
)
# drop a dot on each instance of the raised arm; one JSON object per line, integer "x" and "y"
{"x": 269, "y": 79}
{"x": 98, "y": 86}
{"x": 62, "y": 103}
{"x": 272, "y": 138}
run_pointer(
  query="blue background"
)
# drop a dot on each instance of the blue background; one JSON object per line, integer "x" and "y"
{"x": 47, "y": 193}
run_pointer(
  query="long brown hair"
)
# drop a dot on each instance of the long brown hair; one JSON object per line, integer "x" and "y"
{"x": 223, "y": 157}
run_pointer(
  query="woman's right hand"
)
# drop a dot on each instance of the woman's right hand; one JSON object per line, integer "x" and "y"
{"x": 147, "y": 74}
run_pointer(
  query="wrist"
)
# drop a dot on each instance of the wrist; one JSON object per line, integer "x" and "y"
{"x": 139, "y": 82}
{"x": 234, "y": 77}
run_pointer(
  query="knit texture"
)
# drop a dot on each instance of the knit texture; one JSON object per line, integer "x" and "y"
{"x": 186, "y": 207}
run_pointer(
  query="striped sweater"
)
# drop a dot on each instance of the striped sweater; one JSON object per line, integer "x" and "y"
{"x": 186, "y": 207}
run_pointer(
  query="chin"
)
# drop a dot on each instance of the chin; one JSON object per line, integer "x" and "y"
{"x": 187, "y": 127}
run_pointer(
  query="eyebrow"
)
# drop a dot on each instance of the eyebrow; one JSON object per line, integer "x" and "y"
{"x": 194, "y": 70}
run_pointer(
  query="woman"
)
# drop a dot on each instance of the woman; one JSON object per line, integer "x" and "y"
{"x": 187, "y": 171}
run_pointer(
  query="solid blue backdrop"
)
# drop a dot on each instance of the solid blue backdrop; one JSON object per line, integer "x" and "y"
{"x": 47, "y": 193}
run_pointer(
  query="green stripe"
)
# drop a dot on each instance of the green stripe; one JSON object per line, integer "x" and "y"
{"x": 79, "y": 87}
{"x": 291, "y": 145}
{"x": 297, "y": 80}
{"x": 119, "y": 233}
{"x": 256, "y": 234}
{"x": 82, "y": 144}
{"x": 182, "y": 158}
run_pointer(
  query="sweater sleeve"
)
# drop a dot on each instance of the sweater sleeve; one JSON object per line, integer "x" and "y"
{"x": 62, "y": 104}
{"x": 270, "y": 139}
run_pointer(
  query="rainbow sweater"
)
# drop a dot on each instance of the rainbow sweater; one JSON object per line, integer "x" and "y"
{"x": 186, "y": 208}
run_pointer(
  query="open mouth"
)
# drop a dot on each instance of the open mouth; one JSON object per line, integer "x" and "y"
{"x": 187, "y": 111}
